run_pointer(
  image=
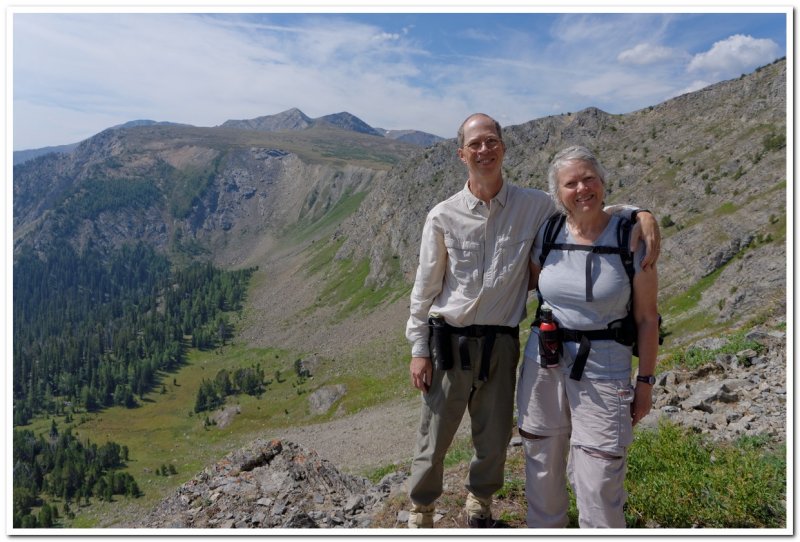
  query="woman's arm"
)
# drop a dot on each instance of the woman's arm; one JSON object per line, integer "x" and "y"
{"x": 645, "y": 228}
{"x": 645, "y": 313}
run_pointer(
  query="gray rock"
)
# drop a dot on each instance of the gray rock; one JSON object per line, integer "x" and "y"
{"x": 323, "y": 399}
{"x": 300, "y": 520}
{"x": 730, "y": 399}
{"x": 273, "y": 484}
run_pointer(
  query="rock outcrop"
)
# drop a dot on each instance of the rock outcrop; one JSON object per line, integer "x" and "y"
{"x": 737, "y": 394}
{"x": 271, "y": 484}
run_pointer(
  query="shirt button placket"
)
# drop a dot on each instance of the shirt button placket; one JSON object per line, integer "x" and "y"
{"x": 489, "y": 249}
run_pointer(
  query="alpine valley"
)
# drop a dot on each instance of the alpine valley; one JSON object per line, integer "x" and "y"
{"x": 180, "y": 291}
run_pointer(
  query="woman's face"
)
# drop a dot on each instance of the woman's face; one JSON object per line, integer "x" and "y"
{"x": 580, "y": 188}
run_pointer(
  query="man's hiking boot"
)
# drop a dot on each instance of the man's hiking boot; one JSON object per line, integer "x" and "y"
{"x": 421, "y": 516}
{"x": 481, "y": 523}
{"x": 479, "y": 512}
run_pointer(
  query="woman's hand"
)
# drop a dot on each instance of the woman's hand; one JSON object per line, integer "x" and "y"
{"x": 642, "y": 401}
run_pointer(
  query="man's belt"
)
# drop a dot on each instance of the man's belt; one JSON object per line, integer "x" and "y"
{"x": 477, "y": 330}
{"x": 486, "y": 332}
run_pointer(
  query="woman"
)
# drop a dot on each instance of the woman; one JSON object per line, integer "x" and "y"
{"x": 586, "y": 416}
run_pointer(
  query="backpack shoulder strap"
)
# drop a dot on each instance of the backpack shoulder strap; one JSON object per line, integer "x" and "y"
{"x": 624, "y": 228}
{"x": 551, "y": 229}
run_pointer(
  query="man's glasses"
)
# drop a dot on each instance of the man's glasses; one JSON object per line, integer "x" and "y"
{"x": 491, "y": 144}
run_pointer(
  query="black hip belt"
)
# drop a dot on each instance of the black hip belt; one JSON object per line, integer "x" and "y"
{"x": 619, "y": 331}
{"x": 442, "y": 351}
{"x": 477, "y": 330}
{"x": 575, "y": 335}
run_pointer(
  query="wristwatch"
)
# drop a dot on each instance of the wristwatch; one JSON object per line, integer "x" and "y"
{"x": 648, "y": 379}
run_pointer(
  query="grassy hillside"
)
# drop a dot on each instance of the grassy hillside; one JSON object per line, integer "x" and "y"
{"x": 164, "y": 429}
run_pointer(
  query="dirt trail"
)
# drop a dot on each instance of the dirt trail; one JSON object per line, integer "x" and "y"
{"x": 374, "y": 437}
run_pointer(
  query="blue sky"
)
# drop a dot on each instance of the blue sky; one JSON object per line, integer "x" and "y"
{"x": 75, "y": 74}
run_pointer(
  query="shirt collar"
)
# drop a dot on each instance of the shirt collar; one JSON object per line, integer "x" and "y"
{"x": 473, "y": 202}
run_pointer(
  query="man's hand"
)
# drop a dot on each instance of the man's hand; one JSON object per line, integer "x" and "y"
{"x": 646, "y": 229}
{"x": 421, "y": 373}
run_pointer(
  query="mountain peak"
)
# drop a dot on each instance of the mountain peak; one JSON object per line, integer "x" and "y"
{"x": 293, "y": 119}
{"x": 348, "y": 121}
{"x": 289, "y": 120}
{"x": 144, "y": 122}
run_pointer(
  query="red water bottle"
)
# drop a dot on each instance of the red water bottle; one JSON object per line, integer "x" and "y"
{"x": 549, "y": 351}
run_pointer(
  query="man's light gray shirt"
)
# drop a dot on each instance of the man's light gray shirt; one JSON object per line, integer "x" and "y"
{"x": 473, "y": 261}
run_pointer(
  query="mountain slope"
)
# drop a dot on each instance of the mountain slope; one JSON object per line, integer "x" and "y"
{"x": 346, "y": 121}
{"x": 416, "y": 137}
{"x": 26, "y": 155}
{"x": 286, "y": 121}
{"x": 219, "y": 190}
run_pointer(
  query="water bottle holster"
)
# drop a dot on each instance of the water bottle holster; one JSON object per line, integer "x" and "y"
{"x": 441, "y": 344}
{"x": 547, "y": 355}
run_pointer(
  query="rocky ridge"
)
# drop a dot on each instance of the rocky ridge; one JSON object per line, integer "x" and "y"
{"x": 271, "y": 484}
{"x": 294, "y": 119}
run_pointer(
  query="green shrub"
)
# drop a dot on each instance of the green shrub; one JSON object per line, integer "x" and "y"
{"x": 692, "y": 358}
{"x": 774, "y": 142}
{"x": 666, "y": 221}
{"x": 676, "y": 479}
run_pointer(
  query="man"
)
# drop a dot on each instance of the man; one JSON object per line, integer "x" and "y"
{"x": 473, "y": 280}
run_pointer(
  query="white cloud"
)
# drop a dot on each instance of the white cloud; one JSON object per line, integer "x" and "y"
{"x": 734, "y": 56}
{"x": 646, "y": 53}
{"x": 479, "y": 34}
{"x": 203, "y": 71}
{"x": 616, "y": 86}
{"x": 386, "y": 36}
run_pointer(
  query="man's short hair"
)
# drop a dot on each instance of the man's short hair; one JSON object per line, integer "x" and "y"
{"x": 497, "y": 127}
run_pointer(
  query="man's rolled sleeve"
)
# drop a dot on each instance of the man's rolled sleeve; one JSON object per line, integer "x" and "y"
{"x": 427, "y": 285}
{"x": 623, "y": 209}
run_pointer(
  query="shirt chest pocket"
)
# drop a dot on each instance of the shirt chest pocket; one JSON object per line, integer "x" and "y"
{"x": 463, "y": 265}
{"x": 514, "y": 255}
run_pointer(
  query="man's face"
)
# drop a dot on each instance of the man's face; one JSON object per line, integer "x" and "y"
{"x": 483, "y": 149}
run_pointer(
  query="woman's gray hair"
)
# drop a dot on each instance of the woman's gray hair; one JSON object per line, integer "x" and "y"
{"x": 571, "y": 154}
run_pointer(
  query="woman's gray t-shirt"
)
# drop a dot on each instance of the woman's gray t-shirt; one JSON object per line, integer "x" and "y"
{"x": 562, "y": 284}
